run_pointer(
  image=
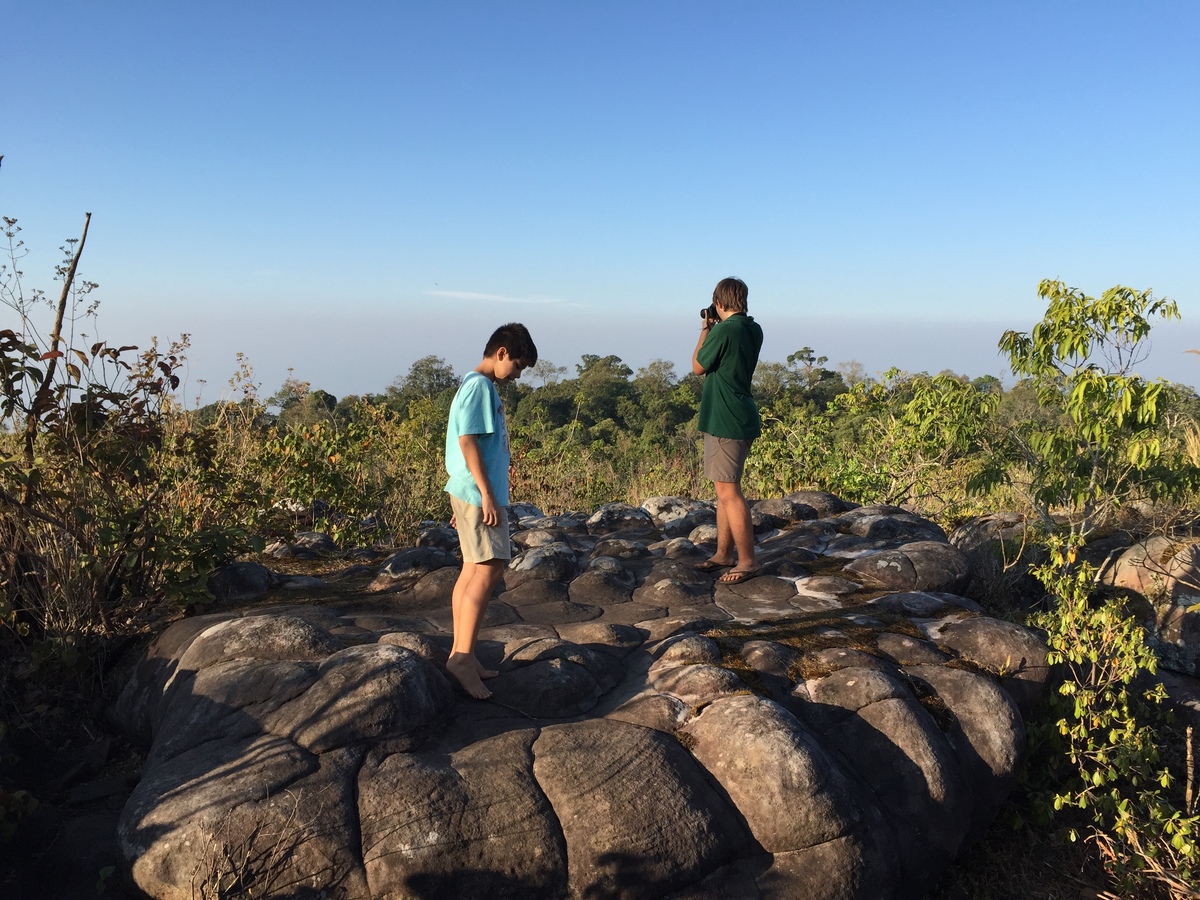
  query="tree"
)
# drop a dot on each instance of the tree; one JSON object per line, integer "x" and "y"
{"x": 545, "y": 372}
{"x": 808, "y": 364}
{"x": 660, "y": 405}
{"x": 1100, "y": 446}
{"x": 431, "y": 377}
{"x": 804, "y": 380}
{"x": 602, "y": 384}
{"x": 852, "y": 372}
{"x": 988, "y": 384}
{"x": 773, "y": 383}
{"x": 88, "y": 517}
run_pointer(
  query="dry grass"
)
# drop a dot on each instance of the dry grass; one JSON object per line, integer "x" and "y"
{"x": 1026, "y": 863}
{"x": 1191, "y": 443}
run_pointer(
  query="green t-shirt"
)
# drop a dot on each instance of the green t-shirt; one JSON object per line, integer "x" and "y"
{"x": 729, "y": 355}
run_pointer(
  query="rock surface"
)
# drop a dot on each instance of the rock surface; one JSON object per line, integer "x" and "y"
{"x": 1167, "y": 573}
{"x": 840, "y": 727}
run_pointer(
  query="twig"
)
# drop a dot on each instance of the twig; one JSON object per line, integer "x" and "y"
{"x": 49, "y": 520}
{"x": 42, "y": 397}
{"x": 1189, "y": 797}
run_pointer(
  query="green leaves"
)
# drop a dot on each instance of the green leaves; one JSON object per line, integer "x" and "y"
{"x": 1103, "y": 447}
{"x": 1101, "y": 754}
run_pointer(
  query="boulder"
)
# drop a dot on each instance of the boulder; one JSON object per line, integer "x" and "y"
{"x": 984, "y": 723}
{"x": 915, "y": 566}
{"x": 549, "y": 562}
{"x": 783, "y": 512}
{"x": 547, "y": 688}
{"x": 505, "y": 841}
{"x": 620, "y": 549}
{"x": 698, "y": 684}
{"x": 239, "y": 581}
{"x": 1174, "y": 633}
{"x": 404, "y": 569}
{"x": 766, "y": 761}
{"x": 184, "y": 811}
{"x": 613, "y": 517}
{"x": 825, "y": 503}
{"x": 890, "y": 523}
{"x": 520, "y": 512}
{"x": 314, "y": 542}
{"x": 1013, "y": 653}
{"x": 258, "y": 637}
{"x": 604, "y": 582}
{"x": 539, "y": 537}
{"x": 226, "y": 700}
{"x": 678, "y": 516}
{"x": 439, "y": 537}
{"x": 638, "y": 816}
{"x": 364, "y": 693}
{"x": 1158, "y": 567}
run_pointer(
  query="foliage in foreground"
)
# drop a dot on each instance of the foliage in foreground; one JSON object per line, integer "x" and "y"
{"x": 1097, "y": 745}
{"x": 87, "y": 487}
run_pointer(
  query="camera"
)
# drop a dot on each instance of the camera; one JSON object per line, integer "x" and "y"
{"x": 709, "y": 313}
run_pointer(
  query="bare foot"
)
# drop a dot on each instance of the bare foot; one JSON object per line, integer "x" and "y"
{"x": 484, "y": 673}
{"x": 464, "y": 669}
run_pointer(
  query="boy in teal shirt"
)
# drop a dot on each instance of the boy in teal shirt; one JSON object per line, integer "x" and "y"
{"x": 727, "y": 353}
{"x": 477, "y": 461}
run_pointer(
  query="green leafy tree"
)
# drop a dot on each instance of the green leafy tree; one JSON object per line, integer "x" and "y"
{"x": 904, "y": 439}
{"x": 300, "y": 404}
{"x": 1095, "y": 442}
{"x": 430, "y": 377}
{"x": 658, "y": 406}
{"x": 602, "y": 385}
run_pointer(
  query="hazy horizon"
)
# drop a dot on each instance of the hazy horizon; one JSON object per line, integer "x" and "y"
{"x": 343, "y": 190}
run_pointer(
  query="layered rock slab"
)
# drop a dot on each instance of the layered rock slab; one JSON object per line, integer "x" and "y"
{"x": 831, "y": 729}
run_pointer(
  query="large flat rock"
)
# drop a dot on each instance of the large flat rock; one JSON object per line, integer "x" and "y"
{"x": 841, "y": 726}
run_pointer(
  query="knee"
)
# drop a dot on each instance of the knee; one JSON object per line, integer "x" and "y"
{"x": 493, "y": 571}
{"x": 728, "y": 491}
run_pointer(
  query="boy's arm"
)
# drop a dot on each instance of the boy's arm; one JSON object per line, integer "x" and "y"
{"x": 469, "y": 445}
{"x": 698, "y": 369}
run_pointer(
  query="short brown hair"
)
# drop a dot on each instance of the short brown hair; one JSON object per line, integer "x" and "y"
{"x": 513, "y": 337}
{"x": 731, "y": 294}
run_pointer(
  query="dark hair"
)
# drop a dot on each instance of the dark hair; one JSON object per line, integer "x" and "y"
{"x": 513, "y": 337}
{"x": 731, "y": 294}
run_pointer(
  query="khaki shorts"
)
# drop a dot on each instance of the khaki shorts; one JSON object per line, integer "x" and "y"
{"x": 478, "y": 542}
{"x": 725, "y": 458}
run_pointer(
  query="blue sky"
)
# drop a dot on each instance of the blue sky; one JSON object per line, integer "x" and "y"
{"x": 344, "y": 188}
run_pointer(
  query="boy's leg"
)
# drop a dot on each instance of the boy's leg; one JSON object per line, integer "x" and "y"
{"x": 472, "y": 593}
{"x": 734, "y": 525}
{"x": 715, "y": 466}
{"x": 485, "y": 550}
{"x": 461, "y": 589}
{"x": 725, "y": 553}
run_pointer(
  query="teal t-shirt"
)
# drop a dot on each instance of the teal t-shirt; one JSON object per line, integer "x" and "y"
{"x": 729, "y": 356}
{"x": 477, "y": 410}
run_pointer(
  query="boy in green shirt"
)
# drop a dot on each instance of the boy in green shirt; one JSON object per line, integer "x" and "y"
{"x": 727, "y": 352}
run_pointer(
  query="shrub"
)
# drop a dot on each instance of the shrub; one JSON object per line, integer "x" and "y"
{"x": 1097, "y": 755}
